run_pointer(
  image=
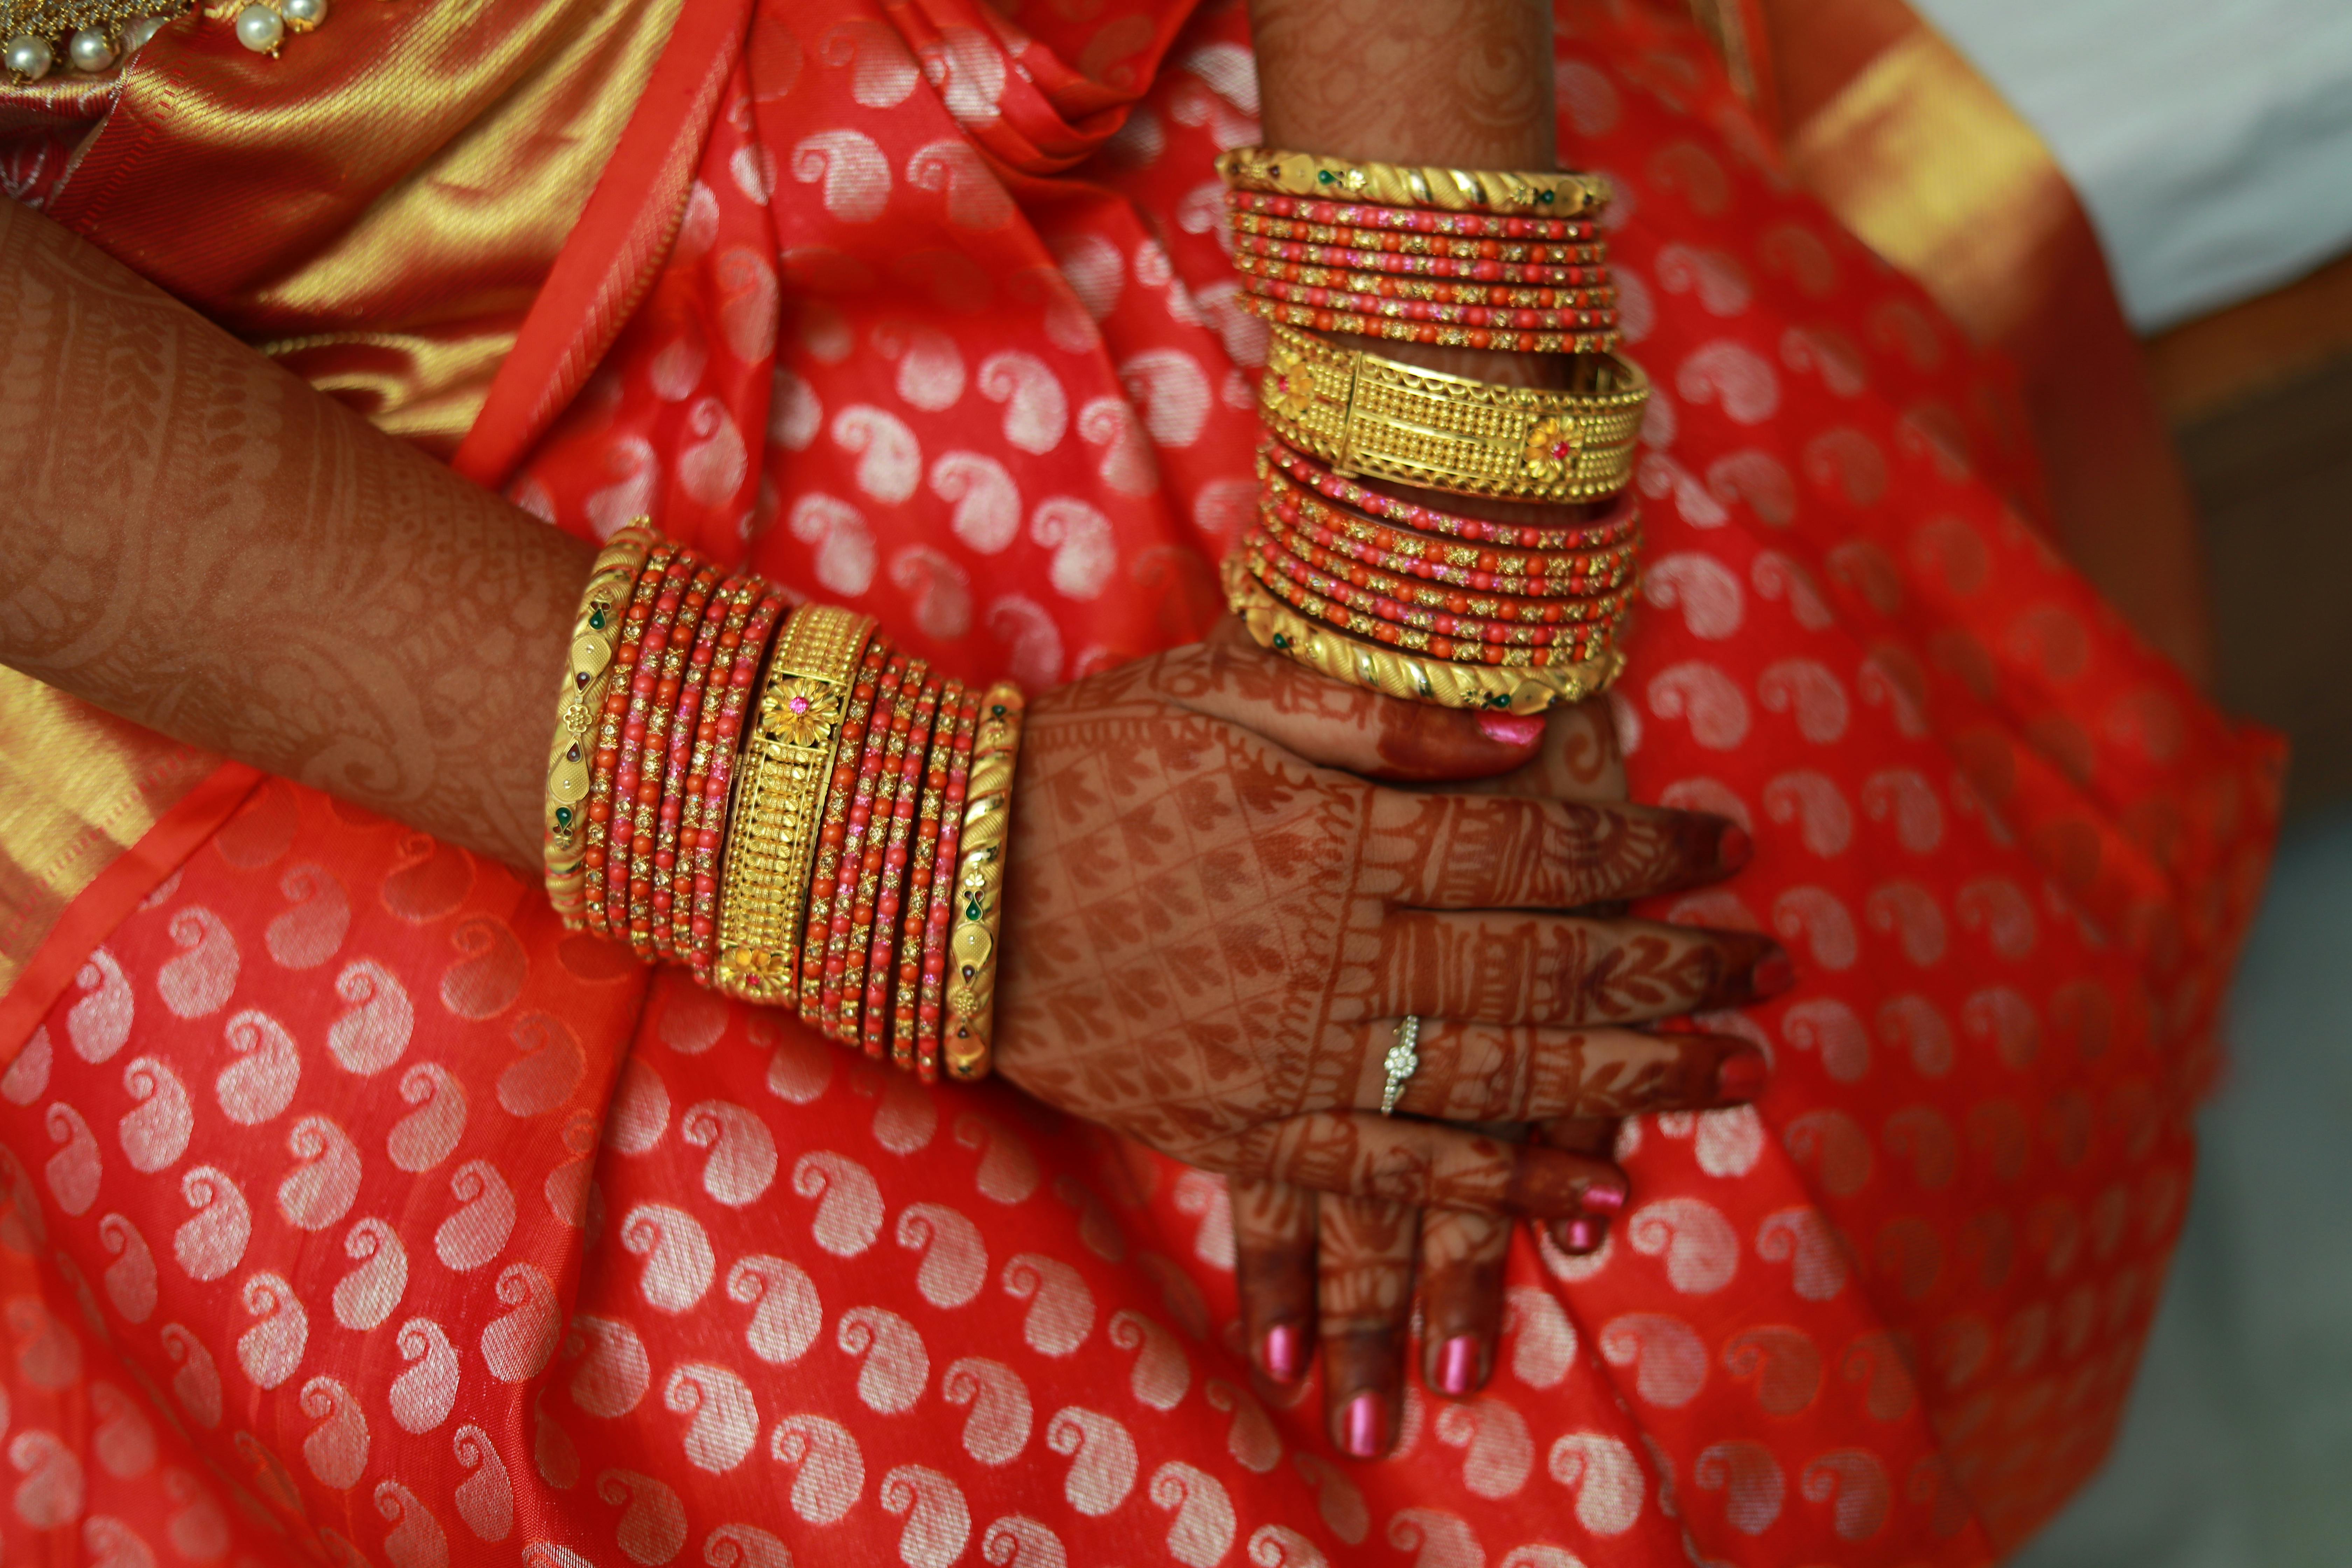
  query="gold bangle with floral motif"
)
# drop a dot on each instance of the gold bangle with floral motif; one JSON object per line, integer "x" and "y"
{"x": 587, "y": 671}
{"x": 1518, "y": 689}
{"x": 969, "y": 1032}
{"x": 1540, "y": 194}
{"x": 1365, "y": 414}
{"x": 781, "y": 784}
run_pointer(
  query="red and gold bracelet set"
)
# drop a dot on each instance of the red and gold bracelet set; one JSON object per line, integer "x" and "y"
{"x": 779, "y": 798}
{"x": 1380, "y": 590}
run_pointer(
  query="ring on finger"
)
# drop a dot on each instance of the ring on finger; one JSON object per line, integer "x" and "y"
{"x": 1402, "y": 1062}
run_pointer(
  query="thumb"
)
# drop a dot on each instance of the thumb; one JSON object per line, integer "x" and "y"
{"x": 1339, "y": 726}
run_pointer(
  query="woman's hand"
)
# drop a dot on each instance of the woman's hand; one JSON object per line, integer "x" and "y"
{"x": 1343, "y": 1269}
{"x": 1211, "y": 941}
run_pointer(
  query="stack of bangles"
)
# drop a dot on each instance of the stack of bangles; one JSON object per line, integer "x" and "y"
{"x": 778, "y": 798}
{"x": 1379, "y": 590}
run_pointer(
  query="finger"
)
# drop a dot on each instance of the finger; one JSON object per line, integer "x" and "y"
{"x": 1578, "y": 759}
{"x": 1525, "y": 1073}
{"x": 1340, "y": 726}
{"x": 1595, "y": 1135}
{"x": 1274, "y": 1261}
{"x": 1364, "y": 1255}
{"x": 1505, "y": 967}
{"x": 1425, "y": 1163}
{"x": 1494, "y": 852}
{"x": 1462, "y": 1257}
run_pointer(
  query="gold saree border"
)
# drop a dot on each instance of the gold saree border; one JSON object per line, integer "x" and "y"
{"x": 94, "y": 811}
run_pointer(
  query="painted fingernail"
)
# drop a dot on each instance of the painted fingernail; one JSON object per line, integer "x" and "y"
{"x": 1741, "y": 1077}
{"x": 1773, "y": 974}
{"x": 1733, "y": 848}
{"x": 1364, "y": 1427}
{"x": 1515, "y": 730}
{"x": 1581, "y": 1237}
{"x": 1286, "y": 1353}
{"x": 1602, "y": 1196}
{"x": 1457, "y": 1365}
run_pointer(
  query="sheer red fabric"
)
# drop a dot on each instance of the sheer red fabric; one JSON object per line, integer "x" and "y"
{"x": 351, "y": 1209}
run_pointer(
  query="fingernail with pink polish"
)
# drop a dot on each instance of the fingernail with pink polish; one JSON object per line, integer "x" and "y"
{"x": 1733, "y": 848}
{"x": 1580, "y": 1237}
{"x": 1364, "y": 1427}
{"x": 1603, "y": 1197}
{"x": 1515, "y": 730}
{"x": 1457, "y": 1365}
{"x": 1286, "y": 1353}
{"x": 1741, "y": 1077}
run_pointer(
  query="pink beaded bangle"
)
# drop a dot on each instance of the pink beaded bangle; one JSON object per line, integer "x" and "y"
{"x": 1584, "y": 271}
{"x": 920, "y": 868}
{"x": 708, "y": 673}
{"x": 931, "y": 1007}
{"x": 1494, "y": 631}
{"x": 1409, "y": 220}
{"x": 663, "y": 776}
{"x": 1614, "y": 529}
{"x": 870, "y": 748}
{"x": 1590, "y": 642}
{"x": 860, "y": 930}
{"x": 607, "y": 824}
{"x": 1340, "y": 283}
{"x": 1404, "y": 331}
{"x": 1441, "y": 247}
{"x": 1516, "y": 319}
{"x": 1460, "y": 566}
{"x": 914, "y": 746}
{"x": 1567, "y": 599}
{"x": 831, "y": 837}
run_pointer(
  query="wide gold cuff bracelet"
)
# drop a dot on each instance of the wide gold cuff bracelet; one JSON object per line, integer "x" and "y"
{"x": 1537, "y": 194}
{"x": 1517, "y": 688}
{"x": 1365, "y": 414}
{"x": 779, "y": 790}
{"x": 587, "y": 672}
{"x": 975, "y": 935}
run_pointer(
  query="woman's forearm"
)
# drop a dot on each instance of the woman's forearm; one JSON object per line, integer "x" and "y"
{"x": 197, "y": 540}
{"x": 1463, "y": 84}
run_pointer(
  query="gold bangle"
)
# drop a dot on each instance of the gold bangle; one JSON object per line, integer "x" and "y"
{"x": 780, "y": 788}
{"x": 969, "y": 1034}
{"x": 1364, "y": 414}
{"x": 1520, "y": 690}
{"x": 587, "y": 670}
{"x": 1540, "y": 194}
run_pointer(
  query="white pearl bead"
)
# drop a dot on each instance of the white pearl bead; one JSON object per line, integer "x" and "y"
{"x": 260, "y": 29}
{"x": 135, "y": 36}
{"x": 88, "y": 50}
{"x": 304, "y": 14}
{"x": 29, "y": 57}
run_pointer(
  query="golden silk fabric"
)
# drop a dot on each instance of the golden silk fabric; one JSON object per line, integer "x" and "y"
{"x": 78, "y": 789}
{"x": 378, "y": 205}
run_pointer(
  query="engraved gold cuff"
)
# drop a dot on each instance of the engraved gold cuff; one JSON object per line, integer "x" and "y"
{"x": 1394, "y": 673}
{"x": 587, "y": 670}
{"x": 1365, "y": 414}
{"x": 973, "y": 938}
{"x": 1537, "y": 194}
{"x": 779, "y": 807}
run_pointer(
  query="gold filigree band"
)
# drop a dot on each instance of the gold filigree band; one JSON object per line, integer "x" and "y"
{"x": 1534, "y": 194}
{"x": 1365, "y": 414}
{"x": 780, "y": 793}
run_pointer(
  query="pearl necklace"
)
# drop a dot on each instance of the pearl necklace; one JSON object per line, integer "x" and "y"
{"x": 97, "y": 35}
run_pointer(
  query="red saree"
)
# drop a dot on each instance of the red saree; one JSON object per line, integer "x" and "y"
{"x": 354, "y": 1210}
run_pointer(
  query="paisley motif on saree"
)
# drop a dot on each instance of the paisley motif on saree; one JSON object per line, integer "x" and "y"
{"x": 352, "y": 1207}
